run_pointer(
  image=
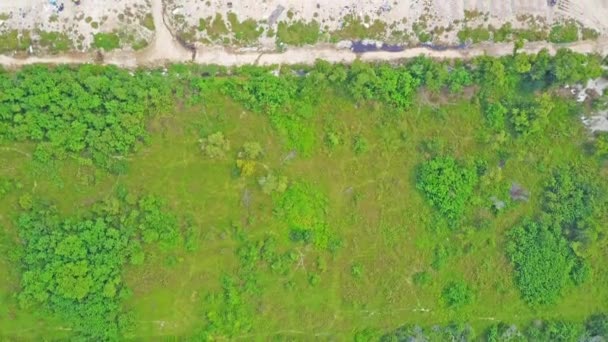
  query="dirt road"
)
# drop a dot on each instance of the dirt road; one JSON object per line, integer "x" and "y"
{"x": 168, "y": 51}
{"x": 164, "y": 49}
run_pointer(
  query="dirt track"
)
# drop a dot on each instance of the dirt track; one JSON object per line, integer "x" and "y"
{"x": 158, "y": 55}
{"x": 165, "y": 49}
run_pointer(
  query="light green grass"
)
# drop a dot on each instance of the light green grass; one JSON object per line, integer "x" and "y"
{"x": 386, "y": 226}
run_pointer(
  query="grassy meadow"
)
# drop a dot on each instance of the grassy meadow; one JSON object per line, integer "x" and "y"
{"x": 394, "y": 253}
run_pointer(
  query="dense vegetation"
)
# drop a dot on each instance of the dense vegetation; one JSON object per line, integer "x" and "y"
{"x": 366, "y": 202}
{"x": 73, "y": 267}
{"x": 93, "y": 113}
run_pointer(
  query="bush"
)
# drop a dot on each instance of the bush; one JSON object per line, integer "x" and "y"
{"x": 565, "y": 33}
{"x": 457, "y": 294}
{"x": 558, "y": 331}
{"x": 597, "y": 325}
{"x": 543, "y": 262}
{"x": 574, "y": 200}
{"x": 447, "y": 185}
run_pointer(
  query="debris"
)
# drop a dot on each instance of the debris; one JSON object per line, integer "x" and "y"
{"x": 498, "y": 204}
{"x": 518, "y": 193}
{"x": 275, "y": 15}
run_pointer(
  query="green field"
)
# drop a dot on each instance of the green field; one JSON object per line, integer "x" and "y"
{"x": 317, "y": 213}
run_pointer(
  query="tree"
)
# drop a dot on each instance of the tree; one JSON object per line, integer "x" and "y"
{"x": 72, "y": 267}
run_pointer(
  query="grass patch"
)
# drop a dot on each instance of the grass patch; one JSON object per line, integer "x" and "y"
{"x": 214, "y": 27}
{"x": 14, "y": 41}
{"x": 55, "y": 42}
{"x": 355, "y": 28}
{"x": 475, "y": 35}
{"x": 106, "y": 41}
{"x": 246, "y": 32}
{"x": 296, "y": 198}
{"x": 298, "y": 33}
{"x": 148, "y": 22}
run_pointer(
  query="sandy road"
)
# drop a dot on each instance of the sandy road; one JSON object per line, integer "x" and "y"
{"x": 162, "y": 53}
{"x": 164, "y": 49}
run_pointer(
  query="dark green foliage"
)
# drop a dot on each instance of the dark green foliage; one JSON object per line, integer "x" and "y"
{"x": 574, "y": 200}
{"x": 451, "y": 332}
{"x": 571, "y": 67}
{"x": 447, "y": 185}
{"x": 393, "y": 85}
{"x": 262, "y": 91}
{"x": 543, "y": 261}
{"x": 541, "y": 331}
{"x": 91, "y": 111}
{"x": 502, "y": 332}
{"x": 73, "y": 267}
{"x": 555, "y": 331}
{"x": 457, "y": 294}
{"x": 581, "y": 272}
{"x": 597, "y": 325}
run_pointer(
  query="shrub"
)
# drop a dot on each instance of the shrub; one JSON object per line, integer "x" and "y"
{"x": 457, "y": 294}
{"x": 303, "y": 209}
{"x": 565, "y": 33}
{"x": 597, "y": 325}
{"x": 542, "y": 260}
{"x": 447, "y": 185}
{"x": 574, "y": 199}
{"x": 558, "y": 331}
{"x": 215, "y": 145}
